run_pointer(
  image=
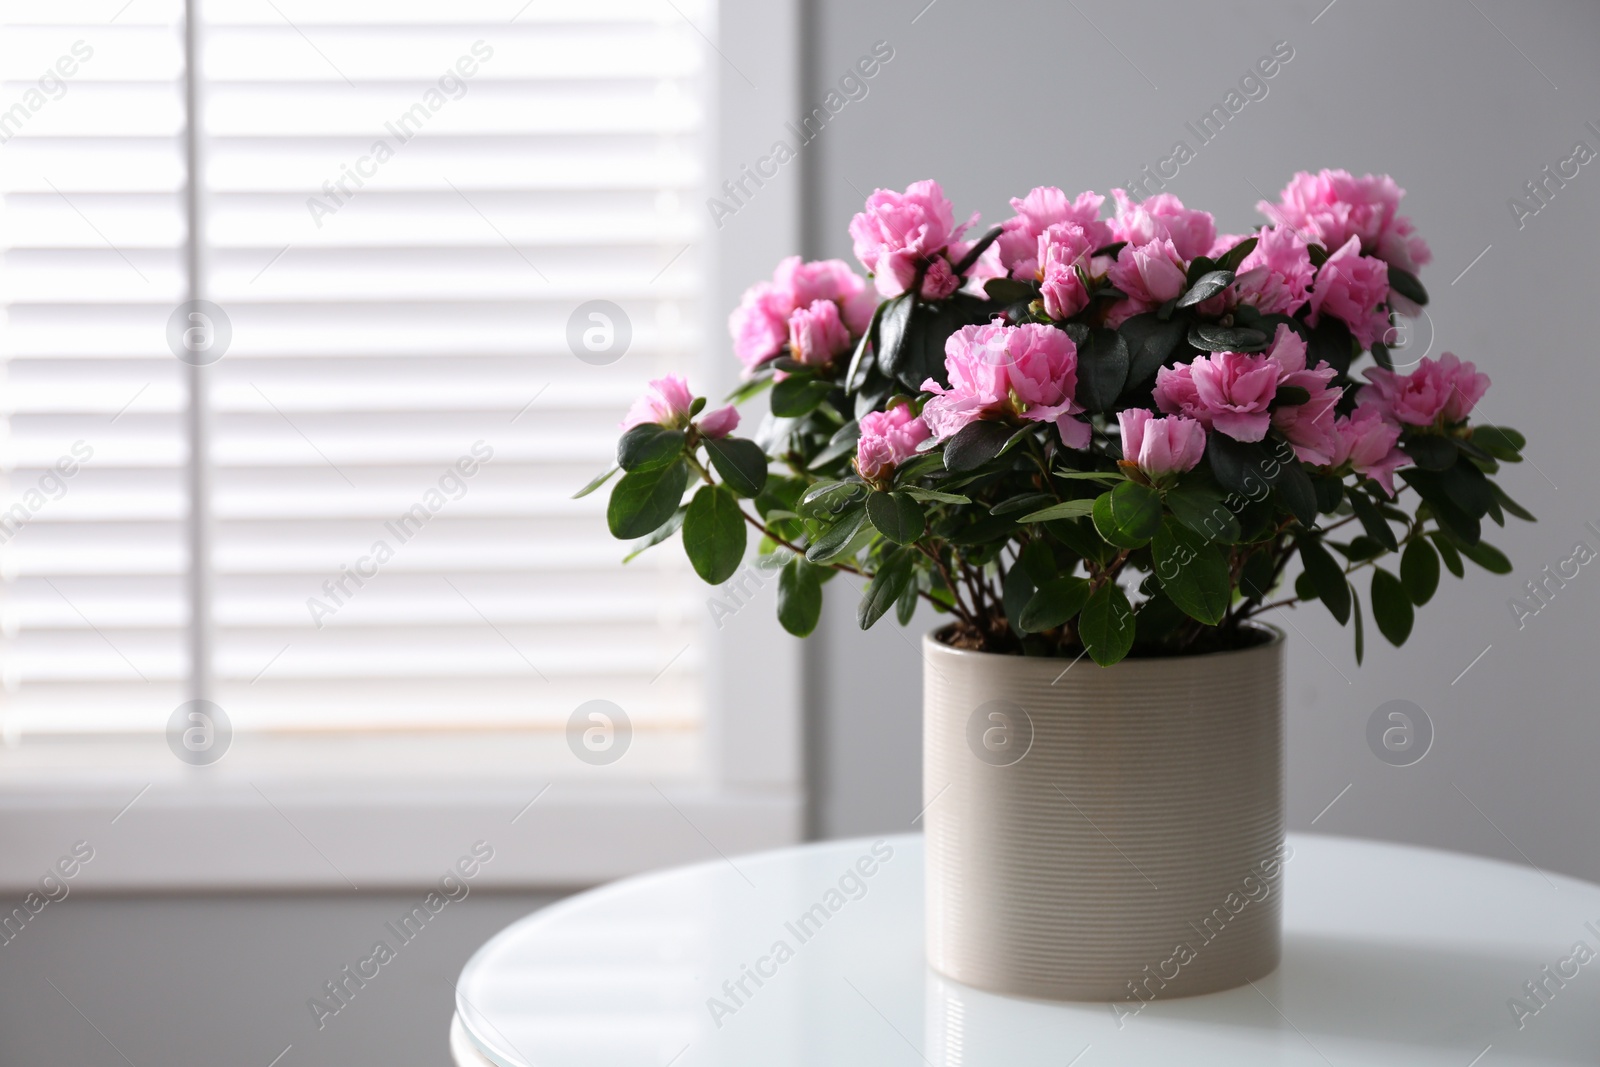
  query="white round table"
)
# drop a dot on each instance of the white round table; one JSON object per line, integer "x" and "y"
{"x": 813, "y": 956}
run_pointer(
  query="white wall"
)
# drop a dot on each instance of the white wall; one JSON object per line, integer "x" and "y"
{"x": 993, "y": 99}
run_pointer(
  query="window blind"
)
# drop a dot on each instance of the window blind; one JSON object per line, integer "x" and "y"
{"x": 403, "y": 207}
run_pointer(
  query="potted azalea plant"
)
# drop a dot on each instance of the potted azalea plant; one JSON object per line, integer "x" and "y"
{"x": 1115, "y": 436}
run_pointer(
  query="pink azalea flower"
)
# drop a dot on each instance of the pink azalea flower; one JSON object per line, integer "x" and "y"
{"x": 666, "y": 401}
{"x": 1028, "y": 371}
{"x": 1308, "y": 427}
{"x": 1018, "y": 244}
{"x": 1226, "y": 391}
{"x": 898, "y": 232}
{"x": 1350, "y": 286}
{"x": 719, "y": 423}
{"x": 1332, "y": 206}
{"x": 888, "y": 439}
{"x": 816, "y": 333}
{"x": 1366, "y": 441}
{"x": 1151, "y": 274}
{"x": 1449, "y": 389}
{"x": 760, "y": 324}
{"x": 1161, "y": 446}
{"x": 1276, "y": 274}
{"x": 1063, "y": 248}
{"x": 1192, "y": 233}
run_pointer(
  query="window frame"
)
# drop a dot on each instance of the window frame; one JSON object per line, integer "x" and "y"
{"x": 276, "y": 822}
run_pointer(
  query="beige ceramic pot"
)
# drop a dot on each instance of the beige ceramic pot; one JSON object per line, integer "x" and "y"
{"x": 1104, "y": 833}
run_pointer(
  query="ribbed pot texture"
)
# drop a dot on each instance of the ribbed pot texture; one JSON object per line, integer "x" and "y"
{"x": 1103, "y": 833}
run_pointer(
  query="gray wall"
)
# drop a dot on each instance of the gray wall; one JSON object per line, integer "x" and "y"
{"x": 993, "y": 99}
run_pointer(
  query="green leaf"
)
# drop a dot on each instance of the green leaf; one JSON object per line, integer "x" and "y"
{"x": 1256, "y": 576}
{"x": 1205, "y": 287}
{"x": 1406, "y": 284}
{"x": 827, "y": 500}
{"x": 1105, "y": 477}
{"x": 1419, "y": 570}
{"x": 799, "y": 597}
{"x": 833, "y": 541}
{"x": 741, "y": 463}
{"x": 1330, "y": 341}
{"x": 885, "y": 588}
{"x": 1317, "y": 254}
{"x": 1129, "y": 515}
{"x": 974, "y": 445}
{"x": 1327, "y": 577}
{"x": 747, "y": 389}
{"x": 1431, "y": 452}
{"x": 1150, "y": 340}
{"x": 1289, "y": 396}
{"x": 1234, "y": 256}
{"x": 1487, "y": 556}
{"x": 1015, "y": 593}
{"x": 842, "y": 443}
{"x": 905, "y": 609}
{"x": 934, "y": 496}
{"x": 1448, "y": 553}
{"x": 1391, "y": 608}
{"x": 714, "y": 533}
{"x": 1192, "y": 571}
{"x": 600, "y": 479}
{"x": 1067, "y": 509}
{"x": 663, "y": 532}
{"x": 896, "y": 516}
{"x": 1106, "y": 624}
{"x": 1053, "y": 603}
{"x": 1102, "y": 369}
{"x": 1361, "y": 636}
{"x": 648, "y": 446}
{"x": 1210, "y": 337}
{"x": 642, "y": 500}
{"x": 1024, "y": 502}
{"x": 1451, "y": 517}
{"x": 798, "y": 395}
{"x": 1010, "y": 291}
{"x": 894, "y": 322}
{"x": 1501, "y": 442}
{"x": 1511, "y": 505}
{"x": 1376, "y": 526}
{"x": 1201, "y": 508}
{"x": 1304, "y": 587}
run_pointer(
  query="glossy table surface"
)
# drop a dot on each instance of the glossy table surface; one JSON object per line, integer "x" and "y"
{"x": 1392, "y": 955}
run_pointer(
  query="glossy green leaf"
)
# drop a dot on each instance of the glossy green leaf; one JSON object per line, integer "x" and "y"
{"x": 1205, "y": 287}
{"x": 664, "y": 531}
{"x": 648, "y": 446}
{"x": 974, "y": 445}
{"x": 1129, "y": 515}
{"x": 799, "y": 597}
{"x": 1419, "y": 570}
{"x": 797, "y": 395}
{"x": 642, "y": 500}
{"x": 1487, "y": 556}
{"x": 1106, "y": 624}
{"x": 1406, "y": 284}
{"x": 1375, "y": 524}
{"x": 1102, "y": 369}
{"x": 596, "y": 482}
{"x": 1448, "y": 553}
{"x": 1201, "y": 509}
{"x": 741, "y": 463}
{"x": 896, "y": 516}
{"x": 1327, "y": 577}
{"x": 885, "y": 587}
{"x": 1053, "y": 603}
{"x": 1067, "y": 509}
{"x": 714, "y": 533}
{"x": 1192, "y": 571}
{"x": 833, "y": 541}
{"x": 1391, "y": 608}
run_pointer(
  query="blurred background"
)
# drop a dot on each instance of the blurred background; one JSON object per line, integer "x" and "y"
{"x": 317, "y": 314}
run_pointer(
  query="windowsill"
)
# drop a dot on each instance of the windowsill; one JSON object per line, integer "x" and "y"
{"x": 386, "y": 811}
